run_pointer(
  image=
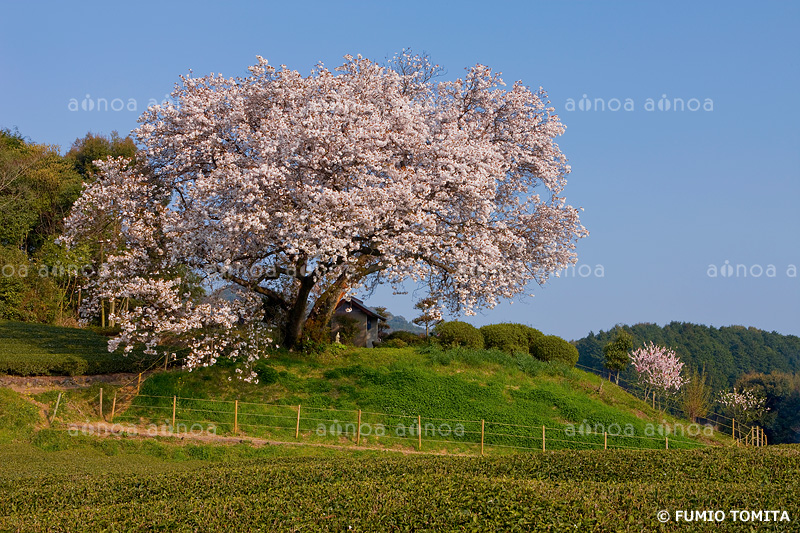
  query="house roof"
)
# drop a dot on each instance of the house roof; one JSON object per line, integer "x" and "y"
{"x": 355, "y": 303}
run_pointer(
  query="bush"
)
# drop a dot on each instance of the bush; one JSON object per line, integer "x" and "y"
{"x": 552, "y": 348}
{"x": 393, "y": 343}
{"x": 509, "y": 338}
{"x": 267, "y": 375}
{"x": 532, "y": 334}
{"x": 457, "y": 333}
{"x": 409, "y": 338}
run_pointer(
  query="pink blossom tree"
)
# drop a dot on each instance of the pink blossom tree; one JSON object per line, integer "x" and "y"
{"x": 659, "y": 369}
{"x": 297, "y": 190}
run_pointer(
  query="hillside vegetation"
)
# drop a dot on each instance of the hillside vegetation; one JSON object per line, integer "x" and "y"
{"x": 725, "y": 353}
{"x": 513, "y": 394}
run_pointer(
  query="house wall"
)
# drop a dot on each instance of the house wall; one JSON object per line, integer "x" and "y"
{"x": 365, "y": 337}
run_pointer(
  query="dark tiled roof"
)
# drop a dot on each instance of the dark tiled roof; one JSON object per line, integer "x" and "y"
{"x": 358, "y": 304}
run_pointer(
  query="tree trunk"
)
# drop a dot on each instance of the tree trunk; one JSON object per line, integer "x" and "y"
{"x": 293, "y": 329}
{"x": 324, "y": 308}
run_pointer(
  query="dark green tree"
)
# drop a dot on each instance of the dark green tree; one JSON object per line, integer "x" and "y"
{"x": 85, "y": 151}
{"x": 616, "y": 351}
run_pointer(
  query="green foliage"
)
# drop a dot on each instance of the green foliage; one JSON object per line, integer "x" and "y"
{"x": 394, "y": 343}
{"x": 553, "y": 348}
{"x": 509, "y": 338}
{"x": 37, "y": 349}
{"x": 533, "y": 335}
{"x": 726, "y": 353}
{"x": 616, "y": 351}
{"x": 409, "y": 338}
{"x": 37, "y": 189}
{"x": 457, "y": 333}
{"x": 782, "y": 393}
{"x": 92, "y": 147}
{"x": 26, "y": 294}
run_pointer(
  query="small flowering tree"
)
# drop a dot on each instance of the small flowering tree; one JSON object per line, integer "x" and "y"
{"x": 744, "y": 405}
{"x": 659, "y": 369}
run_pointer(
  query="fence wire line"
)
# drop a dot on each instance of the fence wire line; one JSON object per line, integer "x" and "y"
{"x": 533, "y": 433}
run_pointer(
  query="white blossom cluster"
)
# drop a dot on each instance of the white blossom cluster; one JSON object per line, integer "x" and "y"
{"x": 356, "y": 174}
{"x": 743, "y": 401}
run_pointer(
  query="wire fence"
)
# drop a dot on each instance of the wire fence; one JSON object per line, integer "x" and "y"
{"x": 182, "y": 416}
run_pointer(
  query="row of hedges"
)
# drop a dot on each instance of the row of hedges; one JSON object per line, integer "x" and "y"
{"x": 510, "y": 338}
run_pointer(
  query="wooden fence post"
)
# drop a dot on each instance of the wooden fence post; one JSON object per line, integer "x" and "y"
{"x": 297, "y": 427}
{"x": 733, "y": 428}
{"x": 666, "y": 442}
{"x": 113, "y": 407}
{"x": 58, "y": 401}
{"x": 235, "y": 417}
{"x": 174, "y": 408}
{"x": 605, "y": 440}
{"x": 358, "y": 429}
{"x": 139, "y": 384}
{"x": 101, "y": 402}
{"x": 543, "y": 437}
{"x": 419, "y": 432}
{"x": 483, "y": 425}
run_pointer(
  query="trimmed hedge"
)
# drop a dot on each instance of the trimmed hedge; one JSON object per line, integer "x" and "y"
{"x": 42, "y": 350}
{"x": 532, "y": 334}
{"x": 457, "y": 333}
{"x": 552, "y": 348}
{"x": 509, "y": 338}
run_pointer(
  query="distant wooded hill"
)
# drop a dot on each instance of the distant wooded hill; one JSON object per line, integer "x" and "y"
{"x": 726, "y": 353}
{"x": 399, "y": 323}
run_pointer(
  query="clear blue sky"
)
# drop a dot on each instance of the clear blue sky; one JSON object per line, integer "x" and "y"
{"x": 666, "y": 193}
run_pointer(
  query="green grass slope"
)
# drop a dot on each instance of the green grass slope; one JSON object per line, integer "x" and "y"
{"x": 514, "y": 395}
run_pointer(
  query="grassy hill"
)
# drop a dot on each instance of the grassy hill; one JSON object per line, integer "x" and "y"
{"x": 514, "y": 396}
